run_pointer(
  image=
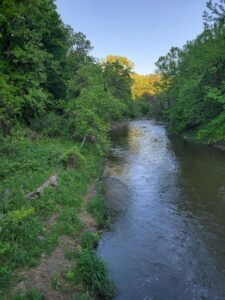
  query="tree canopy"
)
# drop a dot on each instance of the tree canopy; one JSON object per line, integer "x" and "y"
{"x": 193, "y": 80}
{"x": 46, "y": 68}
{"x": 144, "y": 85}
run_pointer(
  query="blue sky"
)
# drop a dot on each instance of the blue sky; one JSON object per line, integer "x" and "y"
{"x": 141, "y": 30}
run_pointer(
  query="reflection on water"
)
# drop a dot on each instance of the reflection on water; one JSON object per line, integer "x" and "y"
{"x": 167, "y": 199}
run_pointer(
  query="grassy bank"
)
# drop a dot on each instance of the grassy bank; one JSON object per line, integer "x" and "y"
{"x": 40, "y": 231}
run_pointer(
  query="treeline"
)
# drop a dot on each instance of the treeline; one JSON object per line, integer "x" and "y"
{"x": 193, "y": 80}
{"x": 49, "y": 81}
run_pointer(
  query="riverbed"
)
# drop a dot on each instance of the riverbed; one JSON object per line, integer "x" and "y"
{"x": 166, "y": 198}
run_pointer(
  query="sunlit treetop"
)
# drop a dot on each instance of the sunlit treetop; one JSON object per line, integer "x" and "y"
{"x": 124, "y": 61}
{"x": 144, "y": 85}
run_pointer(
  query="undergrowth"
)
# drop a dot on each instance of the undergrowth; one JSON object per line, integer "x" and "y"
{"x": 25, "y": 165}
{"x": 90, "y": 271}
{"x": 97, "y": 208}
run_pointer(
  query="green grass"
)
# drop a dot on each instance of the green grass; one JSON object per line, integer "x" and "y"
{"x": 97, "y": 208}
{"x": 82, "y": 296}
{"x": 25, "y": 165}
{"x": 32, "y": 294}
{"x": 192, "y": 136}
{"x": 89, "y": 270}
{"x": 92, "y": 273}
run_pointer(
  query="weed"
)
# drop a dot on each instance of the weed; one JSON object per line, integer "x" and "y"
{"x": 25, "y": 165}
{"x": 98, "y": 209}
{"x": 89, "y": 240}
{"x": 82, "y": 296}
{"x": 92, "y": 273}
{"x": 31, "y": 294}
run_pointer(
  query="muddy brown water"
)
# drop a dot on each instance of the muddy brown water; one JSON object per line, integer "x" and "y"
{"x": 167, "y": 201}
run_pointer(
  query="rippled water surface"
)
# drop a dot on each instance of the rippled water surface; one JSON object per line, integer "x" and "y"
{"x": 167, "y": 200}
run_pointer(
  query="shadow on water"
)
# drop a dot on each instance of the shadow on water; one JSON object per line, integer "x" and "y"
{"x": 167, "y": 199}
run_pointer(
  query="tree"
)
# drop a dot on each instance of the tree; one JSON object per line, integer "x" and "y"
{"x": 123, "y": 61}
{"x": 144, "y": 85}
{"x": 193, "y": 80}
{"x": 117, "y": 76}
{"x": 95, "y": 108}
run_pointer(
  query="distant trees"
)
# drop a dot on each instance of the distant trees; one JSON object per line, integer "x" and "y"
{"x": 94, "y": 108}
{"x": 123, "y": 61}
{"x": 193, "y": 80}
{"x": 144, "y": 85}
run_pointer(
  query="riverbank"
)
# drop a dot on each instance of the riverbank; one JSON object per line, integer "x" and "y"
{"x": 191, "y": 136}
{"x": 48, "y": 238}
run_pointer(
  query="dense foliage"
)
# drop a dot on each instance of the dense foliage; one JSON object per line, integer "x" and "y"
{"x": 193, "y": 80}
{"x": 53, "y": 96}
{"x": 46, "y": 70}
{"x": 144, "y": 85}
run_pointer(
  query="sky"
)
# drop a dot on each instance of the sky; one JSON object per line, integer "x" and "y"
{"x": 141, "y": 30}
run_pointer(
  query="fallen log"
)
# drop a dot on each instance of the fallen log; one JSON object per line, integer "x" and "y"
{"x": 52, "y": 181}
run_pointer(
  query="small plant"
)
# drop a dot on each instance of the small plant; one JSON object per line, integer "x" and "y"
{"x": 31, "y": 294}
{"x": 89, "y": 240}
{"x": 92, "y": 273}
{"x": 98, "y": 209}
{"x": 72, "y": 158}
{"x": 5, "y": 276}
{"x": 69, "y": 222}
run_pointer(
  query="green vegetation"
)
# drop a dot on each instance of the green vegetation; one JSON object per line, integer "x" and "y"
{"x": 193, "y": 80}
{"x": 97, "y": 208}
{"x": 92, "y": 273}
{"x": 31, "y": 294}
{"x": 57, "y": 104}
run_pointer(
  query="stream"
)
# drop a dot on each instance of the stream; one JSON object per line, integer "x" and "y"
{"x": 166, "y": 198}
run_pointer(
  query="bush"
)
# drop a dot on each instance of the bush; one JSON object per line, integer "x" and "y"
{"x": 214, "y": 131}
{"x": 32, "y": 294}
{"x": 82, "y": 296}
{"x": 51, "y": 125}
{"x": 72, "y": 158}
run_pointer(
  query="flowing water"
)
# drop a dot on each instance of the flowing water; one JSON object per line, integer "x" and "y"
{"x": 167, "y": 201}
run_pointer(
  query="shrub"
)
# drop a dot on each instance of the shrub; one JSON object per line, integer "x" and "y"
{"x": 32, "y": 294}
{"x": 72, "y": 158}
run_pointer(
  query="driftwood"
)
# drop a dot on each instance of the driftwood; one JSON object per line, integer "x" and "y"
{"x": 52, "y": 181}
